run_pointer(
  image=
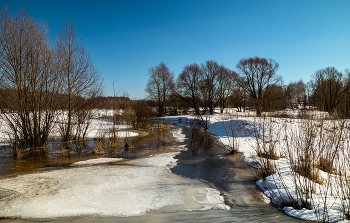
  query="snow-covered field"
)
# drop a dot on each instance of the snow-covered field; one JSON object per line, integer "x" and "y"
{"x": 297, "y": 143}
{"x": 98, "y": 126}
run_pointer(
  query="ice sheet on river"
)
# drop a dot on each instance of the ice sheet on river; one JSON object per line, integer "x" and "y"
{"x": 106, "y": 190}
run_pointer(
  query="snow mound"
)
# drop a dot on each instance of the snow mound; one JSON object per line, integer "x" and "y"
{"x": 96, "y": 161}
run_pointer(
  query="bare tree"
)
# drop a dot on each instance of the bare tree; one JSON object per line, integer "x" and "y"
{"x": 29, "y": 83}
{"x": 330, "y": 89}
{"x": 276, "y": 99}
{"x": 225, "y": 85}
{"x": 209, "y": 84}
{"x": 237, "y": 98}
{"x": 296, "y": 92}
{"x": 160, "y": 85}
{"x": 188, "y": 85}
{"x": 256, "y": 76}
{"x": 79, "y": 76}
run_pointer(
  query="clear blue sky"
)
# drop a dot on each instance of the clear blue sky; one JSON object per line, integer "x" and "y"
{"x": 127, "y": 37}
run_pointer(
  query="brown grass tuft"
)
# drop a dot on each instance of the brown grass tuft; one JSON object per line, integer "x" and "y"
{"x": 266, "y": 169}
{"x": 325, "y": 165}
{"x": 268, "y": 154}
{"x": 307, "y": 169}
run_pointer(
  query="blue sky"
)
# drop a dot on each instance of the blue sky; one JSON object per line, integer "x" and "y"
{"x": 125, "y": 38}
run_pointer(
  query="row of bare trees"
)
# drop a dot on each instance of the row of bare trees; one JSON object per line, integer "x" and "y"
{"x": 39, "y": 82}
{"x": 210, "y": 84}
{"x": 207, "y": 85}
{"x": 255, "y": 84}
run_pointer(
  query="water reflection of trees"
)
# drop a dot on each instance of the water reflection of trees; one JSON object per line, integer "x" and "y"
{"x": 200, "y": 142}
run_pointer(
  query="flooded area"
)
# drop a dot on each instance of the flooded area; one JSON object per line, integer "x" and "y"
{"x": 156, "y": 140}
{"x": 189, "y": 188}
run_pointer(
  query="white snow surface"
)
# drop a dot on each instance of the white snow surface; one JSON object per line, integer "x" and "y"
{"x": 97, "y": 161}
{"x": 99, "y": 125}
{"x": 104, "y": 190}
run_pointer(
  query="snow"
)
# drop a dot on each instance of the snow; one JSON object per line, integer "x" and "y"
{"x": 99, "y": 125}
{"x": 97, "y": 161}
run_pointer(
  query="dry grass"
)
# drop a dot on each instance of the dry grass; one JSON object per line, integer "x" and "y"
{"x": 307, "y": 169}
{"x": 268, "y": 154}
{"x": 325, "y": 165}
{"x": 265, "y": 169}
{"x": 99, "y": 148}
{"x": 113, "y": 145}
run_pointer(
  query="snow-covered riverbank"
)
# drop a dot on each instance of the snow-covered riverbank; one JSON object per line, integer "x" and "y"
{"x": 327, "y": 199}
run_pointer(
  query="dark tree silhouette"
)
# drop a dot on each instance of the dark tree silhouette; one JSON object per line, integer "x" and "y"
{"x": 330, "y": 88}
{"x": 188, "y": 85}
{"x": 256, "y": 75}
{"x": 210, "y": 84}
{"x": 160, "y": 85}
{"x": 225, "y": 86}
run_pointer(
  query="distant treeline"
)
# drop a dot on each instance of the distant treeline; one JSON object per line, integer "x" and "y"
{"x": 255, "y": 84}
{"x": 112, "y": 102}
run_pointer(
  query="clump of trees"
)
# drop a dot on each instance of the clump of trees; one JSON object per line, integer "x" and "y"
{"x": 331, "y": 90}
{"x": 39, "y": 81}
{"x": 258, "y": 79}
{"x": 79, "y": 79}
{"x": 204, "y": 86}
{"x": 160, "y": 86}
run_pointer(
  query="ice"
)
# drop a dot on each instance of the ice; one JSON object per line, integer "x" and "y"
{"x": 146, "y": 184}
{"x": 178, "y": 135}
{"x": 105, "y": 190}
{"x": 210, "y": 198}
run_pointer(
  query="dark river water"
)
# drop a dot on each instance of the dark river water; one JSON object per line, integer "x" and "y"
{"x": 203, "y": 160}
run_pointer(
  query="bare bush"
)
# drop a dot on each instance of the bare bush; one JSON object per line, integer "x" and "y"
{"x": 139, "y": 116}
{"x": 266, "y": 136}
{"x": 81, "y": 82}
{"x": 29, "y": 83}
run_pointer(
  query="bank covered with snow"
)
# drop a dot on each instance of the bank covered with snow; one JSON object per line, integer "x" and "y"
{"x": 298, "y": 144}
